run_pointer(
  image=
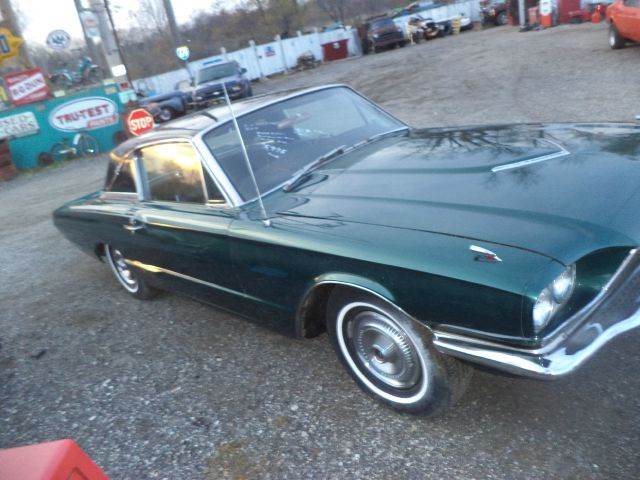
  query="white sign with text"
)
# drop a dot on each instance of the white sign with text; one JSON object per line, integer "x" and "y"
{"x": 86, "y": 113}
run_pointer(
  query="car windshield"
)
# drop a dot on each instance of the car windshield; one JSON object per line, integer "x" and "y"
{"x": 215, "y": 72}
{"x": 384, "y": 23}
{"x": 284, "y": 138}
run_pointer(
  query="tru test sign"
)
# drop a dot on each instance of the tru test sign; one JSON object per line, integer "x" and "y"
{"x": 86, "y": 113}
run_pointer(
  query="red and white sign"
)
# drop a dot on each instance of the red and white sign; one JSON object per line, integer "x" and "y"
{"x": 86, "y": 113}
{"x": 27, "y": 86}
{"x": 140, "y": 121}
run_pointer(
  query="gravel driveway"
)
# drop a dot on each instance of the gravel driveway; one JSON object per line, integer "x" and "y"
{"x": 177, "y": 390}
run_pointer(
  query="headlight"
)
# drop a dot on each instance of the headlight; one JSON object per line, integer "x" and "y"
{"x": 553, "y": 297}
{"x": 562, "y": 287}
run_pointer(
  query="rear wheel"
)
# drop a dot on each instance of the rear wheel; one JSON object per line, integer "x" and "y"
{"x": 502, "y": 19}
{"x": 616, "y": 40}
{"x": 166, "y": 114}
{"x": 130, "y": 278}
{"x": 391, "y": 357}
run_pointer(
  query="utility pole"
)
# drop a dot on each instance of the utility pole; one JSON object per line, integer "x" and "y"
{"x": 173, "y": 26}
{"x": 94, "y": 51}
{"x": 117, "y": 39}
{"x": 175, "y": 31}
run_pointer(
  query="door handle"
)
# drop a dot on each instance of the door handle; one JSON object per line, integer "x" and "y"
{"x": 134, "y": 226}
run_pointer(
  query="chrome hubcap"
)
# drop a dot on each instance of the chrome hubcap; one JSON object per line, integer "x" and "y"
{"x": 385, "y": 350}
{"x": 122, "y": 270}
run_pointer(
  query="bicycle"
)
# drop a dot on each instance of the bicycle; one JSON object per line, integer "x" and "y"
{"x": 82, "y": 145}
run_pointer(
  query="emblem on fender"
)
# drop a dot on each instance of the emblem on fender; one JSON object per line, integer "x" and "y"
{"x": 484, "y": 255}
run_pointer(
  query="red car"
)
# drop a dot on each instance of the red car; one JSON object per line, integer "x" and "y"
{"x": 624, "y": 22}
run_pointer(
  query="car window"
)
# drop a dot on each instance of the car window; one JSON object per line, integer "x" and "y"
{"x": 284, "y": 137}
{"x": 120, "y": 177}
{"x": 173, "y": 173}
{"x": 632, "y": 3}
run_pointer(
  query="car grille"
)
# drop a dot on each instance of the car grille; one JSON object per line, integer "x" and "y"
{"x": 387, "y": 36}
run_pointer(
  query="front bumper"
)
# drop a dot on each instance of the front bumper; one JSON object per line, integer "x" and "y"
{"x": 614, "y": 311}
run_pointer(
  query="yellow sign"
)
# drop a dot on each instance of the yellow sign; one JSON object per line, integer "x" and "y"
{"x": 8, "y": 44}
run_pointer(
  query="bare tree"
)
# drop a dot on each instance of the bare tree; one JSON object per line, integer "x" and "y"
{"x": 336, "y": 9}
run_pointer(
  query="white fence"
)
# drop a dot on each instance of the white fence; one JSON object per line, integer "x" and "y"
{"x": 259, "y": 60}
{"x": 281, "y": 55}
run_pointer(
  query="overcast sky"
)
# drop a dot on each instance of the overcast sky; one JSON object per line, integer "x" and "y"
{"x": 42, "y": 16}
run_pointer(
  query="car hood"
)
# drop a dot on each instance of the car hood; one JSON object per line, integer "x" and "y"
{"x": 558, "y": 190}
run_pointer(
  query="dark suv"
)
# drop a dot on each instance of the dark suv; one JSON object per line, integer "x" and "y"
{"x": 208, "y": 81}
{"x": 381, "y": 32}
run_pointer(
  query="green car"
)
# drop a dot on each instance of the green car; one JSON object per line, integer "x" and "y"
{"x": 420, "y": 252}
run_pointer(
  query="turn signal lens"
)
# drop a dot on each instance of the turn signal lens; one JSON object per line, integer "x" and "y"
{"x": 543, "y": 310}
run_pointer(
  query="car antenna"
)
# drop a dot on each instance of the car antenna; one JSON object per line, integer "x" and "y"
{"x": 265, "y": 219}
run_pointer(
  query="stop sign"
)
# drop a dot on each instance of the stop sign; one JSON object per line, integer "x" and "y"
{"x": 139, "y": 121}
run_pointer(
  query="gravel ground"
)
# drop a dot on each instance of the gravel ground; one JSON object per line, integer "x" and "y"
{"x": 174, "y": 389}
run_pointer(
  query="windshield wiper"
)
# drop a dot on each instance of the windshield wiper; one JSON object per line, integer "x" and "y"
{"x": 304, "y": 174}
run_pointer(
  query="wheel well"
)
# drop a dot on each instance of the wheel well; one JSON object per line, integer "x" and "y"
{"x": 99, "y": 251}
{"x": 311, "y": 319}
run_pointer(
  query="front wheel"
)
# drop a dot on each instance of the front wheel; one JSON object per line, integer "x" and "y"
{"x": 616, "y": 40}
{"x": 391, "y": 357}
{"x": 87, "y": 146}
{"x": 62, "y": 151}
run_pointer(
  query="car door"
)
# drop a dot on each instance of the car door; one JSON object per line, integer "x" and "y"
{"x": 112, "y": 212}
{"x": 181, "y": 225}
{"x": 628, "y": 22}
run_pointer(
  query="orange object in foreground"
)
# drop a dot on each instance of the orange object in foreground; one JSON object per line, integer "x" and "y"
{"x": 59, "y": 460}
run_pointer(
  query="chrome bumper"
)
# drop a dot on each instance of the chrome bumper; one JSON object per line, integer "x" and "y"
{"x": 614, "y": 311}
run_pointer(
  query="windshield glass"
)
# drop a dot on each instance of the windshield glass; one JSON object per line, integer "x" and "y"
{"x": 384, "y": 23}
{"x": 215, "y": 72}
{"x": 283, "y": 138}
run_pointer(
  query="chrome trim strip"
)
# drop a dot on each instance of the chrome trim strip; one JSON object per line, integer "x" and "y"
{"x": 509, "y": 166}
{"x": 560, "y": 352}
{"x": 155, "y": 269}
{"x": 543, "y": 363}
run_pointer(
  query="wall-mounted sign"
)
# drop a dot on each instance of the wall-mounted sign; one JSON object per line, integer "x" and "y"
{"x": 27, "y": 86}
{"x": 86, "y": 113}
{"x": 19, "y": 125}
{"x": 269, "y": 51}
{"x": 182, "y": 53}
{"x": 58, "y": 40}
{"x": 8, "y": 44}
{"x": 90, "y": 23}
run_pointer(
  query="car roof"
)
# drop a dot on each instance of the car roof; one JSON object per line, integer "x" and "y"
{"x": 191, "y": 125}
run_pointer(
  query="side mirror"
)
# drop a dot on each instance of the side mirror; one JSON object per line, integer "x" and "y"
{"x": 243, "y": 71}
